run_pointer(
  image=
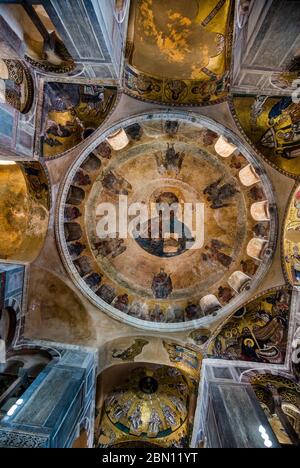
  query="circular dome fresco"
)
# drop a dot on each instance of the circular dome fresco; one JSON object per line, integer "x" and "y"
{"x": 151, "y": 404}
{"x": 167, "y": 221}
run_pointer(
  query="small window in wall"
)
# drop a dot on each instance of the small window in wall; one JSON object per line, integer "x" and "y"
{"x": 248, "y": 176}
{"x": 239, "y": 281}
{"x": 260, "y": 211}
{"x": 210, "y": 304}
{"x": 255, "y": 248}
{"x": 224, "y": 148}
{"x": 118, "y": 140}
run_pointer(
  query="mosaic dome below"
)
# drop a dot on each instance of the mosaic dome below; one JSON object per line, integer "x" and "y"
{"x": 147, "y": 407}
{"x": 166, "y": 219}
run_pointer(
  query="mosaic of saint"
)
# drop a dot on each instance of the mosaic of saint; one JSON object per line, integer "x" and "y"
{"x": 130, "y": 353}
{"x": 187, "y": 359}
{"x": 71, "y": 113}
{"x": 179, "y": 51}
{"x": 273, "y": 126}
{"x": 162, "y": 271}
{"x": 291, "y": 240}
{"x": 151, "y": 405}
{"x": 257, "y": 332}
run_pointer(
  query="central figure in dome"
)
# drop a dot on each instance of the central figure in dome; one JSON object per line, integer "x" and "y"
{"x": 165, "y": 235}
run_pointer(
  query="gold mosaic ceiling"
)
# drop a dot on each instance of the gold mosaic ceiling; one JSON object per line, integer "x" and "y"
{"x": 151, "y": 405}
{"x": 179, "y": 52}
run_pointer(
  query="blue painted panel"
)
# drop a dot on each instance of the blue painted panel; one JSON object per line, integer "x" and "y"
{"x": 11, "y": 282}
{"x": 6, "y": 123}
{"x": 55, "y": 404}
{"x": 76, "y": 22}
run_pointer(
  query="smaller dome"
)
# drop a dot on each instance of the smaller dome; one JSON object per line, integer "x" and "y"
{"x": 151, "y": 403}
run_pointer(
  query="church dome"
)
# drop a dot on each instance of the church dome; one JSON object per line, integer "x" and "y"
{"x": 150, "y": 404}
{"x": 167, "y": 219}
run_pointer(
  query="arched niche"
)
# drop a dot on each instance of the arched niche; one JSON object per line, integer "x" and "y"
{"x": 24, "y": 210}
{"x": 22, "y": 366}
{"x": 177, "y": 72}
{"x": 32, "y": 360}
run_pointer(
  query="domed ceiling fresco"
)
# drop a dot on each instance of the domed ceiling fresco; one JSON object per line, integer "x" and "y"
{"x": 158, "y": 273}
{"x": 151, "y": 406}
{"x": 179, "y": 52}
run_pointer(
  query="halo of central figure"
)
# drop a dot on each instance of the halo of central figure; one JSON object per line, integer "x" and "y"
{"x": 165, "y": 219}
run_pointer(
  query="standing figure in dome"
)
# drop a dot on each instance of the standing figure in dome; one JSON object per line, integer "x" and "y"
{"x": 154, "y": 422}
{"x": 136, "y": 418}
{"x": 169, "y": 415}
{"x": 162, "y": 285}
